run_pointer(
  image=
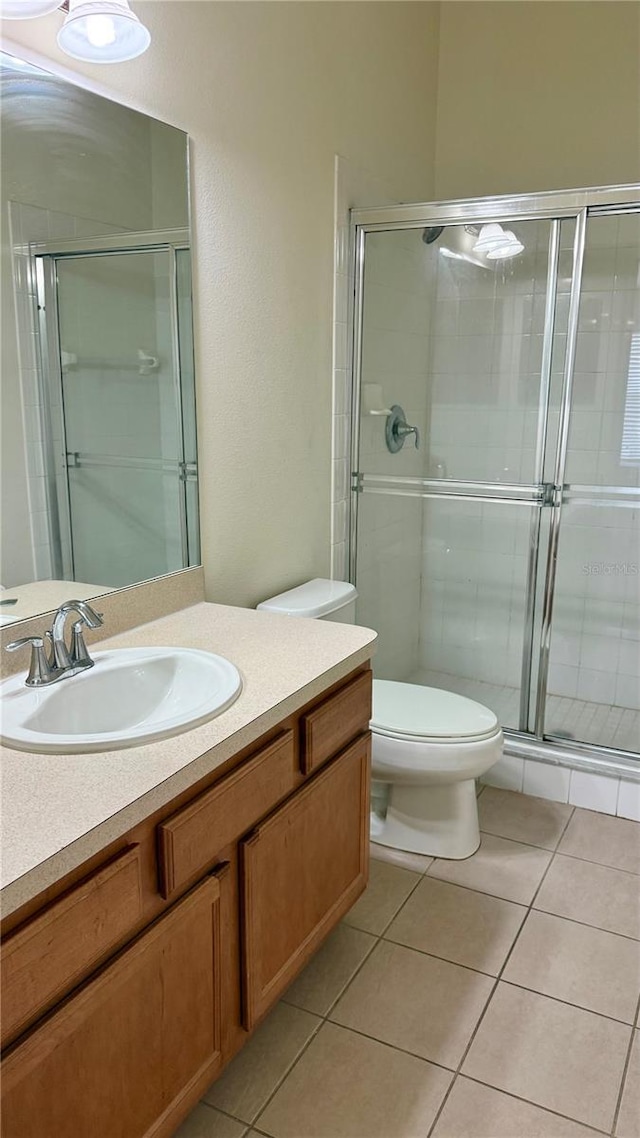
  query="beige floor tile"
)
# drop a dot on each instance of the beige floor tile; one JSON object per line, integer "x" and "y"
{"x": 522, "y": 817}
{"x": 389, "y": 886}
{"x": 585, "y": 966}
{"x": 475, "y": 1111}
{"x": 415, "y": 861}
{"x": 603, "y": 838}
{"x": 628, "y": 1125}
{"x": 415, "y": 1002}
{"x": 346, "y": 1086}
{"x": 595, "y": 894}
{"x": 458, "y": 924}
{"x": 330, "y": 970}
{"x": 249, "y": 1080}
{"x": 205, "y": 1122}
{"x": 551, "y": 1054}
{"x": 500, "y": 867}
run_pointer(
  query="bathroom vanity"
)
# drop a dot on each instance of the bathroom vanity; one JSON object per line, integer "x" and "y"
{"x": 159, "y": 900}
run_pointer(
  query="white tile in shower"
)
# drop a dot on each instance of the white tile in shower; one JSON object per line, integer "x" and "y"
{"x": 340, "y": 346}
{"x": 628, "y": 805}
{"x": 627, "y": 691}
{"x": 339, "y": 561}
{"x": 593, "y": 791}
{"x": 508, "y": 773}
{"x": 340, "y": 436}
{"x": 546, "y": 781}
{"x": 340, "y": 521}
{"x": 340, "y": 479}
{"x": 595, "y": 685}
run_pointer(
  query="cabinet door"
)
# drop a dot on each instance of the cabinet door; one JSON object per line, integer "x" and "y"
{"x": 117, "y": 1059}
{"x": 302, "y": 868}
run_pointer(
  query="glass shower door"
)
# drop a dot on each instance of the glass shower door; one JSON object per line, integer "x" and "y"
{"x": 449, "y": 535}
{"x": 593, "y": 684}
{"x": 119, "y": 424}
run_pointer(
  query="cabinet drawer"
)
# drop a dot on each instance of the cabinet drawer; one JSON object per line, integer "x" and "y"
{"x": 50, "y": 954}
{"x": 327, "y": 728}
{"x": 117, "y": 1059}
{"x": 192, "y": 838}
{"x": 301, "y": 870}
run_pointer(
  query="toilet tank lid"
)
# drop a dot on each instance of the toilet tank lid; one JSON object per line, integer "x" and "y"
{"x": 314, "y": 599}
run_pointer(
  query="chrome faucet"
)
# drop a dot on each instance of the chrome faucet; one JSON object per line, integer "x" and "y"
{"x": 51, "y": 659}
{"x": 75, "y": 658}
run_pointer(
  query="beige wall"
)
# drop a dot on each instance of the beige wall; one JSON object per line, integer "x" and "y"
{"x": 537, "y": 96}
{"x": 269, "y": 93}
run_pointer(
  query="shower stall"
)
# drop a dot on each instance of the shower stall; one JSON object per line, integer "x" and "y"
{"x": 495, "y": 498}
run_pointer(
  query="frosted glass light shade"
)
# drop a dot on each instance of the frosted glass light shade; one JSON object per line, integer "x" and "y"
{"x": 103, "y": 31}
{"x": 27, "y": 9}
{"x": 490, "y": 237}
{"x": 510, "y": 247}
{"x": 497, "y": 244}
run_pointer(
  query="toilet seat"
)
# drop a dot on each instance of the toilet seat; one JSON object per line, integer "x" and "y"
{"x": 414, "y": 713}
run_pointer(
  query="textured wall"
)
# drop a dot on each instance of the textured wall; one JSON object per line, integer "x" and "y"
{"x": 537, "y": 96}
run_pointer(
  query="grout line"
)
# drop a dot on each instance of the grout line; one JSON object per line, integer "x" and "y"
{"x": 324, "y": 1018}
{"x": 377, "y": 938}
{"x": 493, "y": 990}
{"x": 567, "y": 1003}
{"x": 288, "y": 1071}
{"x": 528, "y": 1102}
{"x": 516, "y": 841}
{"x": 603, "y": 864}
{"x": 588, "y": 925}
{"x": 625, "y": 1071}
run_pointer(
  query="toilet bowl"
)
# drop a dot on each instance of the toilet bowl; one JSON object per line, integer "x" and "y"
{"x": 428, "y": 745}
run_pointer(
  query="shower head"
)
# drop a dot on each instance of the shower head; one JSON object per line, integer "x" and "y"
{"x": 432, "y": 234}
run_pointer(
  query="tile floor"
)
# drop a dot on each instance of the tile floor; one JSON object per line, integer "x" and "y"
{"x": 604, "y": 724}
{"x": 491, "y": 998}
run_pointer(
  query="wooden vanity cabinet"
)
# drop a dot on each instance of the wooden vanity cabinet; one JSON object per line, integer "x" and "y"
{"x": 131, "y": 984}
{"x": 119, "y": 1058}
{"x": 301, "y": 870}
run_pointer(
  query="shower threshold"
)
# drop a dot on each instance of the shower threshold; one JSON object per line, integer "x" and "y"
{"x": 571, "y": 720}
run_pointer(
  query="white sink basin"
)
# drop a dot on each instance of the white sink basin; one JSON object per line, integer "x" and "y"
{"x": 132, "y": 695}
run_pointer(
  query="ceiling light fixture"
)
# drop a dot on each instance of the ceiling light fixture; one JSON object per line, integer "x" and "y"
{"x": 496, "y": 243}
{"x": 27, "y": 9}
{"x": 103, "y": 31}
{"x": 510, "y": 247}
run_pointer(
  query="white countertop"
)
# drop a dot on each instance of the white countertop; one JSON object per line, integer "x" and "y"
{"x": 59, "y": 810}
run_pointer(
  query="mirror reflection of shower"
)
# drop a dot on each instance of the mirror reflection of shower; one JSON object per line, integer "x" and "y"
{"x": 118, "y": 413}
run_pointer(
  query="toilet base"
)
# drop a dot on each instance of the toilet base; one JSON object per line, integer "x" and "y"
{"x": 437, "y": 820}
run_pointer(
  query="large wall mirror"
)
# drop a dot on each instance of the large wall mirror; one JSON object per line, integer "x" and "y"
{"x": 98, "y": 461}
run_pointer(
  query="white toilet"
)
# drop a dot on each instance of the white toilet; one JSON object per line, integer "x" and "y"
{"x": 429, "y": 745}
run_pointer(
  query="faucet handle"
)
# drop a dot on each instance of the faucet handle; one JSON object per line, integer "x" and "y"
{"x": 40, "y": 669}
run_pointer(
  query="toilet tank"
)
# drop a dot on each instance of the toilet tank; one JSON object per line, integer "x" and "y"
{"x": 321, "y": 599}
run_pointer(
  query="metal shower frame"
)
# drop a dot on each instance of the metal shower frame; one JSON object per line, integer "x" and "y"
{"x": 529, "y": 740}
